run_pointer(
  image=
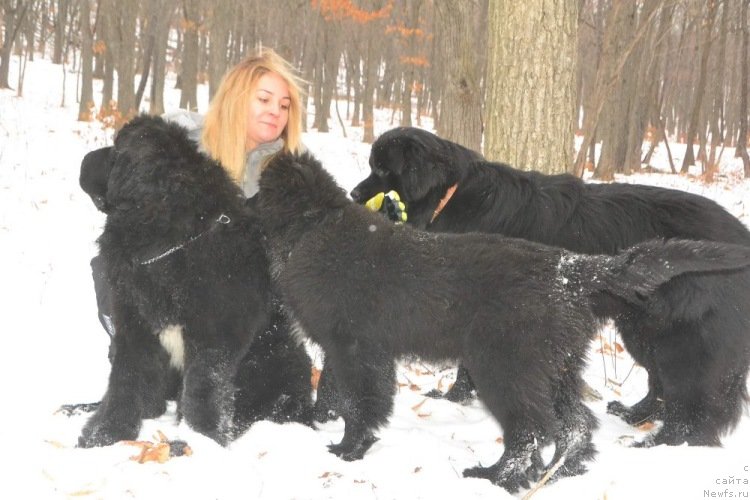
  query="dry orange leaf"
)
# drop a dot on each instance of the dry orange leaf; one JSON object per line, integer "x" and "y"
{"x": 329, "y": 474}
{"x": 159, "y": 451}
{"x": 440, "y": 384}
{"x": 419, "y": 405}
{"x": 82, "y": 493}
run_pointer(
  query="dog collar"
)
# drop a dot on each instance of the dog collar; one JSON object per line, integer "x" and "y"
{"x": 222, "y": 219}
{"x": 443, "y": 202}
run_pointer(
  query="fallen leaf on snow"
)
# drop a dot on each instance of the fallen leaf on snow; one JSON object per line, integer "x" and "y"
{"x": 418, "y": 405}
{"x": 160, "y": 450}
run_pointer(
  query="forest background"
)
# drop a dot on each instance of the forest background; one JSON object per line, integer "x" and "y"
{"x": 515, "y": 80}
{"x": 522, "y": 81}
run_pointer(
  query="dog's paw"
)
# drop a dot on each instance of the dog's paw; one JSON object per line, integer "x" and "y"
{"x": 353, "y": 449}
{"x": 106, "y": 432}
{"x": 455, "y": 396}
{"x": 618, "y": 409}
{"x": 77, "y": 409}
{"x": 323, "y": 412}
{"x": 512, "y": 481}
{"x": 647, "y": 442}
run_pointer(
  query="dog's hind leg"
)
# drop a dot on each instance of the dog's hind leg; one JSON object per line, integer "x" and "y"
{"x": 702, "y": 405}
{"x": 521, "y": 451}
{"x": 526, "y": 422}
{"x": 682, "y": 363}
{"x": 648, "y": 409}
{"x": 638, "y": 337}
{"x": 573, "y": 444}
{"x": 365, "y": 384}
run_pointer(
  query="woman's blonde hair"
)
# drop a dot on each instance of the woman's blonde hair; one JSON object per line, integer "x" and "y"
{"x": 225, "y": 125}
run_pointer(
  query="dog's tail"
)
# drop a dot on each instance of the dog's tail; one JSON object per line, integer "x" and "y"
{"x": 634, "y": 274}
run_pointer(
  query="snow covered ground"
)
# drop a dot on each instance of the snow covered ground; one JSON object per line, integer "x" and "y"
{"x": 55, "y": 352}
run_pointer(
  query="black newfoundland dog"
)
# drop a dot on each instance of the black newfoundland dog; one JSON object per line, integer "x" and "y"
{"x": 519, "y": 314}
{"x": 192, "y": 309}
{"x": 695, "y": 345}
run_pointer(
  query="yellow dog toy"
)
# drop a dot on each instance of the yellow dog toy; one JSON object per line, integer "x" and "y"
{"x": 390, "y": 204}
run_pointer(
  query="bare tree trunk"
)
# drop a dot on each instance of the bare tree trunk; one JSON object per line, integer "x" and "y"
{"x": 86, "y": 103}
{"x": 742, "y": 139}
{"x": 31, "y": 25}
{"x": 108, "y": 30}
{"x": 326, "y": 73}
{"x": 66, "y": 46}
{"x": 149, "y": 33}
{"x": 409, "y": 40}
{"x": 356, "y": 77}
{"x": 732, "y": 75}
{"x": 221, "y": 23}
{"x": 156, "y": 104}
{"x": 371, "y": 72}
{"x": 658, "y": 85}
{"x": 61, "y": 23}
{"x": 700, "y": 88}
{"x": 607, "y": 75}
{"x": 121, "y": 39}
{"x": 26, "y": 50}
{"x": 613, "y": 127}
{"x": 373, "y": 30}
{"x": 640, "y": 89}
{"x": 715, "y": 113}
{"x": 189, "y": 73}
{"x": 531, "y": 83}
{"x": 460, "y": 117}
{"x": 13, "y": 14}
{"x": 330, "y": 78}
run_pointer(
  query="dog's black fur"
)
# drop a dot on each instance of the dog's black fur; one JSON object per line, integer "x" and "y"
{"x": 182, "y": 254}
{"x": 519, "y": 314}
{"x": 696, "y": 348}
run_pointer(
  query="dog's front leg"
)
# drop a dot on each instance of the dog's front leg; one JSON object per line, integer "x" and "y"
{"x": 355, "y": 443}
{"x": 137, "y": 383}
{"x": 207, "y": 400}
{"x": 365, "y": 380}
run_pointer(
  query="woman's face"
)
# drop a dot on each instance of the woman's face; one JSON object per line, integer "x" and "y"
{"x": 269, "y": 111}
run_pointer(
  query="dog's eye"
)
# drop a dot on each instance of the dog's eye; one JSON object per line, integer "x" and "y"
{"x": 379, "y": 172}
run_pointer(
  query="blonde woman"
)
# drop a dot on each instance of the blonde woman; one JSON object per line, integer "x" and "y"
{"x": 255, "y": 113}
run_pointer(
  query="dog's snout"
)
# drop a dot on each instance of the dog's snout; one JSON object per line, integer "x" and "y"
{"x": 356, "y": 195}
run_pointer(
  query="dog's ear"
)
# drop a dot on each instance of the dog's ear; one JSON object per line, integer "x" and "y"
{"x": 95, "y": 169}
{"x": 396, "y": 155}
{"x": 292, "y": 186}
{"x": 422, "y": 172}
